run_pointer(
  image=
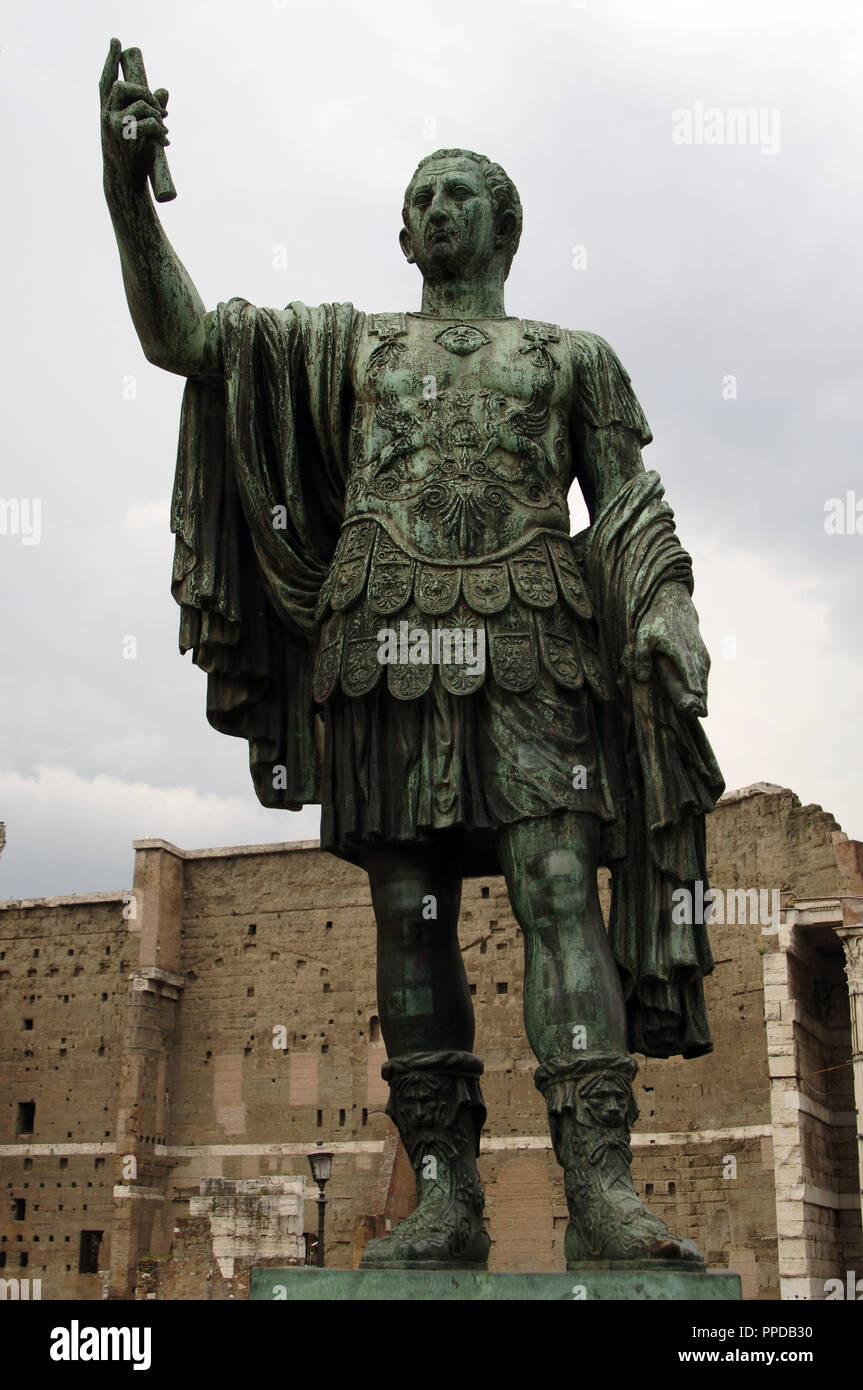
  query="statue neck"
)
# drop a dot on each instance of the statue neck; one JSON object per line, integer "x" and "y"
{"x": 465, "y": 299}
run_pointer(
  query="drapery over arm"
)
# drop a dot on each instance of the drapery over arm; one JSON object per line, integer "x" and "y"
{"x": 665, "y": 776}
{"x": 256, "y": 510}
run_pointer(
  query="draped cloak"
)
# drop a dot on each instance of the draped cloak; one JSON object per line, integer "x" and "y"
{"x": 256, "y": 511}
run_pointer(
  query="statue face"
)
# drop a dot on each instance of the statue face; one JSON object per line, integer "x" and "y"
{"x": 451, "y": 229}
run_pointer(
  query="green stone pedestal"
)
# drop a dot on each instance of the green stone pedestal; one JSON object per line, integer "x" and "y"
{"x": 639, "y": 1285}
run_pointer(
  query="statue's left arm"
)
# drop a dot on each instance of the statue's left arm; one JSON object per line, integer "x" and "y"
{"x": 665, "y": 774}
{"x": 608, "y": 431}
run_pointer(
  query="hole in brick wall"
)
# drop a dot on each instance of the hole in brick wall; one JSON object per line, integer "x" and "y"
{"x": 19, "y": 1208}
{"x": 63, "y": 1051}
{"x": 219, "y": 960}
{"x": 672, "y": 1188}
{"x": 325, "y": 1047}
{"x": 70, "y": 952}
{"x": 23, "y": 1259}
{"x": 250, "y": 992}
{"x": 251, "y": 930}
{"x": 502, "y": 987}
{"x": 320, "y": 1119}
{"x": 326, "y": 986}
{"x": 341, "y": 1117}
{"x": 648, "y": 1189}
{"x": 501, "y": 946}
{"x": 98, "y": 1163}
{"x": 88, "y": 1252}
{"x": 2, "y": 1259}
{"x": 483, "y": 892}
{"x": 104, "y": 997}
{"x": 31, "y": 972}
{"x": 35, "y": 950}
{"x": 28, "y": 1164}
{"x": 328, "y": 926}
{"x": 472, "y": 989}
{"x": 374, "y": 1028}
{"x": 26, "y": 1117}
{"x": 64, "y": 1163}
{"x": 28, "y": 1025}
{"x": 274, "y": 955}
{"x": 79, "y": 970}
{"x": 100, "y": 1051}
{"x": 365, "y": 1117}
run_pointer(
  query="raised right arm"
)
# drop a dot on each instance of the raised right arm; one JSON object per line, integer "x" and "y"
{"x": 169, "y": 316}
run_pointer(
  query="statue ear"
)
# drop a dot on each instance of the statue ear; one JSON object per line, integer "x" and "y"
{"x": 405, "y": 244}
{"x": 505, "y": 228}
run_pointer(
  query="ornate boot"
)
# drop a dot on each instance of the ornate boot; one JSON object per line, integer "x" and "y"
{"x": 436, "y": 1103}
{"x": 591, "y": 1109}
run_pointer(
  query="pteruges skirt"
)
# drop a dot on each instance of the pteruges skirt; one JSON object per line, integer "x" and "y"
{"x": 406, "y": 770}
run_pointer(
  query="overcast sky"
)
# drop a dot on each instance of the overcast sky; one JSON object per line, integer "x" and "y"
{"x": 727, "y": 275}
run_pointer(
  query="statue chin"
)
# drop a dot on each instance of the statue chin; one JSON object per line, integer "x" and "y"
{"x": 444, "y": 260}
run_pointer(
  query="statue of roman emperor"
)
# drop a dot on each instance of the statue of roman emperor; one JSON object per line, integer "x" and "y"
{"x": 345, "y": 476}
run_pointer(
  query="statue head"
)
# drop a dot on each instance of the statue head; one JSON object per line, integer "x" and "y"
{"x": 460, "y": 213}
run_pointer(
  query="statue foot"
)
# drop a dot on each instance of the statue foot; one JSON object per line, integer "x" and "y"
{"x": 413, "y": 1245}
{"x": 628, "y": 1237}
{"x": 436, "y": 1103}
{"x": 591, "y": 1109}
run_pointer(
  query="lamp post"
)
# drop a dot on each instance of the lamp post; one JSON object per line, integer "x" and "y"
{"x": 321, "y": 1163}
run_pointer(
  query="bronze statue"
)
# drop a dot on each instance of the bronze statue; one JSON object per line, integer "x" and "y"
{"x": 375, "y": 570}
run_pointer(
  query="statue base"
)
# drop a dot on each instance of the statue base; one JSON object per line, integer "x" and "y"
{"x": 587, "y": 1283}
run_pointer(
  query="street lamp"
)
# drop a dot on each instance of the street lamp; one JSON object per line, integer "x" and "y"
{"x": 321, "y": 1163}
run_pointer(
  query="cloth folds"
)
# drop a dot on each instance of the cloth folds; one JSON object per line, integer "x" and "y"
{"x": 665, "y": 778}
{"x": 256, "y": 510}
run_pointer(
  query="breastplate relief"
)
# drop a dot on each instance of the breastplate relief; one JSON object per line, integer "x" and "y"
{"x": 459, "y": 442}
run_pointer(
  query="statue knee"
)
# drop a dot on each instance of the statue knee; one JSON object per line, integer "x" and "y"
{"x": 552, "y": 889}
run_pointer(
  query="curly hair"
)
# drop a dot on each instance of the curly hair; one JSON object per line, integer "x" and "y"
{"x": 504, "y": 194}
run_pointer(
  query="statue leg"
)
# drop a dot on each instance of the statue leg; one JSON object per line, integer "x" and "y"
{"x": 575, "y": 1019}
{"x": 428, "y": 1026}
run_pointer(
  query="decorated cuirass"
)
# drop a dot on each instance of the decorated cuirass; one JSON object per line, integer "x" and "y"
{"x": 455, "y": 509}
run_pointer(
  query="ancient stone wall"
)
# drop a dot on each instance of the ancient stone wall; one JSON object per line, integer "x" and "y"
{"x": 63, "y": 965}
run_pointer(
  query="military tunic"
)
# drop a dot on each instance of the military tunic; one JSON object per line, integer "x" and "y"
{"x": 456, "y": 517}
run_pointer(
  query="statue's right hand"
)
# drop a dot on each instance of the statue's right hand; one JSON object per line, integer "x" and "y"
{"x": 132, "y": 124}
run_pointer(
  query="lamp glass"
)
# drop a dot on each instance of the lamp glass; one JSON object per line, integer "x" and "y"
{"x": 321, "y": 1164}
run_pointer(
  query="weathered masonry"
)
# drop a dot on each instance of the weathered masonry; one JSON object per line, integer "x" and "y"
{"x": 172, "y": 1053}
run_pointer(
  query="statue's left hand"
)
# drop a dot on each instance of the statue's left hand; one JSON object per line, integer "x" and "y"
{"x": 669, "y": 636}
